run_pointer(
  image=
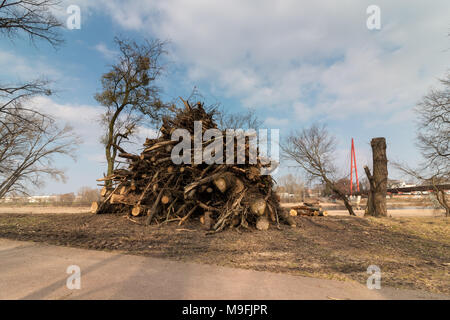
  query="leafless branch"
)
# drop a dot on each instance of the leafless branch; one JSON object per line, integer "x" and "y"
{"x": 32, "y": 17}
{"x": 313, "y": 149}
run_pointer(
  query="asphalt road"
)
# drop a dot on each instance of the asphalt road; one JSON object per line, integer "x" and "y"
{"x": 38, "y": 271}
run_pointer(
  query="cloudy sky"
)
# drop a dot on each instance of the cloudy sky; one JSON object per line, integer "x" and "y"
{"x": 294, "y": 62}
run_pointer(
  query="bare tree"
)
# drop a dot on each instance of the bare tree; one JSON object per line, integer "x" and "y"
{"x": 434, "y": 129}
{"x": 240, "y": 120}
{"x": 433, "y": 141}
{"x": 11, "y": 97}
{"x": 129, "y": 93}
{"x": 88, "y": 195}
{"x": 291, "y": 184}
{"x": 32, "y": 17}
{"x": 434, "y": 181}
{"x": 66, "y": 199}
{"x": 313, "y": 149}
{"x": 29, "y": 143}
{"x": 29, "y": 139}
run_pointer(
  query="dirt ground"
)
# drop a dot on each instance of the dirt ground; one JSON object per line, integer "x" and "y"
{"x": 44, "y": 209}
{"x": 412, "y": 253}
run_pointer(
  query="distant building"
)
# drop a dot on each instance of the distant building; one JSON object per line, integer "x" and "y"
{"x": 392, "y": 184}
{"x": 31, "y": 199}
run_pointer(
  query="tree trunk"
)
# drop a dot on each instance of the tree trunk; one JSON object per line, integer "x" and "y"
{"x": 376, "y": 203}
{"x": 341, "y": 195}
{"x": 440, "y": 195}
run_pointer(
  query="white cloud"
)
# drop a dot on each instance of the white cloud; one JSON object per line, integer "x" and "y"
{"x": 105, "y": 51}
{"x": 83, "y": 118}
{"x": 143, "y": 133}
{"x": 97, "y": 157}
{"x": 319, "y": 56}
{"x": 272, "y": 122}
{"x": 17, "y": 69}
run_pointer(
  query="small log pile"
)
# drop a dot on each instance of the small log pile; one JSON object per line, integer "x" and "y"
{"x": 219, "y": 195}
{"x": 308, "y": 209}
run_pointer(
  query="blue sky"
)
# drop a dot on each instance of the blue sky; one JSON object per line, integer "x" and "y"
{"x": 294, "y": 62}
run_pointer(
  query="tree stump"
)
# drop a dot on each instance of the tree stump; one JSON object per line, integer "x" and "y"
{"x": 376, "y": 203}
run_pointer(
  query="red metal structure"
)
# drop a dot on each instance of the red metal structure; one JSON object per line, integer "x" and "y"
{"x": 353, "y": 165}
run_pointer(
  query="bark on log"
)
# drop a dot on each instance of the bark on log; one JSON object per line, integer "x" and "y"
{"x": 207, "y": 221}
{"x": 123, "y": 199}
{"x": 284, "y": 215}
{"x": 376, "y": 203}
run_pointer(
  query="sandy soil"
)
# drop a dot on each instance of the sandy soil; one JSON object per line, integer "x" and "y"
{"x": 413, "y": 253}
{"x": 43, "y": 210}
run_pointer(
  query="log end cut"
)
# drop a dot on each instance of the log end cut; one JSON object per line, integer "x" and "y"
{"x": 262, "y": 223}
{"x": 258, "y": 206}
{"x": 94, "y": 207}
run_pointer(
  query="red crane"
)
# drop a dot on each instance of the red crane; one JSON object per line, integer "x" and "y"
{"x": 353, "y": 165}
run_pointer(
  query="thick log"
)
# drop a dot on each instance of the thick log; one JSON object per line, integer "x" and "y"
{"x": 258, "y": 206}
{"x": 160, "y": 145}
{"x": 123, "y": 199}
{"x": 376, "y": 203}
{"x": 229, "y": 181}
{"x": 129, "y": 156}
{"x": 262, "y": 223}
{"x": 155, "y": 207}
{"x": 122, "y": 172}
{"x": 123, "y": 190}
{"x": 104, "y": 191}
{"x": 207, "y": 220}
{"x": 166, "y": 198}
{"x": 284, "y": 215}
{"x": 200, "y": 182}
{"x": 94, "y": 207}
{"x": 137, "y": 211}
{"x": 107, "y": 178}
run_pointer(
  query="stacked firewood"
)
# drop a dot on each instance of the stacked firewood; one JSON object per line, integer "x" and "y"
{"x": 308, "y": 209}
{"x": 218, "y": 195}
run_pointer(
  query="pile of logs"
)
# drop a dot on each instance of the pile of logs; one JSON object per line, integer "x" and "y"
{"x": 308, "y": 209}
{"x": 218, "y": 195}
